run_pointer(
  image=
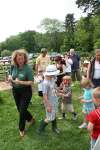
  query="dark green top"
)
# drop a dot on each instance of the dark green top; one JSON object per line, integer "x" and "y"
{"x": 23, "y": 74}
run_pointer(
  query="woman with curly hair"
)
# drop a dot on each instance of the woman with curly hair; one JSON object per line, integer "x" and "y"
{"x": 21, "y": 78}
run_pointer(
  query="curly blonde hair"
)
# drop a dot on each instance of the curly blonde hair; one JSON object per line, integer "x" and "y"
{"x": 86, "y": 82}
{"x": 19, "y": 52}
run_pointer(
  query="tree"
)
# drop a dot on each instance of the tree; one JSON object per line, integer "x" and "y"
{"x": 54, "y": 28}
{"x": 12, "y": 43}
{"x": 42, "y": 40}
{"x": 97, "y": 44}
{"x": 84, "y": 35}
{"x": 96, "y": 22}
{"x": 69, "y": 41}
{"x": 90, "y": 6}
{"x": 52, "y": 25}
{"x": 5, "y": 53}
{"x": 28, "y": 40}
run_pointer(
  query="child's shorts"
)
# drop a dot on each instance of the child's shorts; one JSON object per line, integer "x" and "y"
{"x": 67, "y": 107}
{"x": 40, "y": 93}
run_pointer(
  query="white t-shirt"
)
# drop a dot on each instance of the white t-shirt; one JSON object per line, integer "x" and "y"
{"x": 38, "y": 79}
{"x": 96, "y": 70}
{"x": 69, "y": 62}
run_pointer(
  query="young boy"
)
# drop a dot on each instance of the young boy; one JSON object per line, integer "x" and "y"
{"x": 39, "y": 80}
{"x": 50, "y": 99}
{"x": 94, "y": 118}
{"x": 66, "y": 94}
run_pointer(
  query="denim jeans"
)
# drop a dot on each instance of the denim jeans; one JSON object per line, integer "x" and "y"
{"x": 92, "y": 143}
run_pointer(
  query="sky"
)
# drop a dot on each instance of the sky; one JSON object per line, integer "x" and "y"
{"x": 22, "y": 15}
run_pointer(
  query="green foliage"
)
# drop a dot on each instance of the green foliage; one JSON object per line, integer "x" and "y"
{"x": 33, "y": 41}
{"x": 52, "y": 25}
{"x": 96, "y": 22}
{"x": 90, "y": 6}
{"x": 28, "y": 40}
{"x": 12, "y": 43}
{"x": 86, "y": 54}
{"x": 84, "y": 34}
{"x": 22, "y": 40}
{"x": 70, "y": 23}
{"x": 91, "y": 27}
{"x": 97, "y": 44}
{"x": 70, "y": 137}
{"x": 43, "y": 40}
{"x": 54, "y": 28}
{"x": 69, "y": 33}
{"x": 5, "y": 53}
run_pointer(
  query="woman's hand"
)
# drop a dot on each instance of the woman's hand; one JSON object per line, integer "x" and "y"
{"x": 10, "y": 78}
{"x": 17, "y": 81}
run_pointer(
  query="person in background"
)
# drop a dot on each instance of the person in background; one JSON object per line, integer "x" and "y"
{"x": 93, "y": 119}
{"x": 61, "y": 66}
{"x": 42, "y": 61}
{"x": 76, "y": 75}
{"x": 93, "y": 72}
{"x": 68, "y": 62}
{"x": 50, "y": 99}
{"x": 65, "y": 92}
{"x": 39, "y": 80}
{"x": 85, "y": 68}
{"x": 86, "y": 99}
{"x": 21, "y": 78}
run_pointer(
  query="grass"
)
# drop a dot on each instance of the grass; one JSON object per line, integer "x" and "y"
{"x": 70, "y": 138}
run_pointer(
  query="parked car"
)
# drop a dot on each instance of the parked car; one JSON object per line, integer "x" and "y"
{"x": 5, "y": 61}
{"x": 53, "y": 55}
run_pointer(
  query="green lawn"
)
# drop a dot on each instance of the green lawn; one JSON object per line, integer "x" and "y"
{"x": 70, "y": 138}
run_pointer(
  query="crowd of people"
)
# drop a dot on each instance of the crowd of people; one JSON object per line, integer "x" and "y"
{"x": 55, "y": 81}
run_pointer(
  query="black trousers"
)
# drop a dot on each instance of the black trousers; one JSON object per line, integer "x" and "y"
{"x": 96, "y": 82}
{"x": 76, "y": 75}
{"x": 59, "y": 79}
{"x": 22, "y": 98}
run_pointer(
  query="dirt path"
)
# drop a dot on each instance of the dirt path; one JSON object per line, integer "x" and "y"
{"x": 4, "y": 86}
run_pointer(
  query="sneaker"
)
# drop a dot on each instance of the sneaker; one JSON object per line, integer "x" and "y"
{"x": 74, "y": 117}
{"x": 61, "y": 118}
{"x": 83, "y": 125}
{"x": 21, "y": 133}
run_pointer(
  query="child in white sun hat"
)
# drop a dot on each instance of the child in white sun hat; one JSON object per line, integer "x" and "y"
{"x": 50, "y": 99}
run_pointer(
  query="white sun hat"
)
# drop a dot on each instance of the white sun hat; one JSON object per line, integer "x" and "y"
{"x": 51, "y": 70}
{"x": 86, "y": 61}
